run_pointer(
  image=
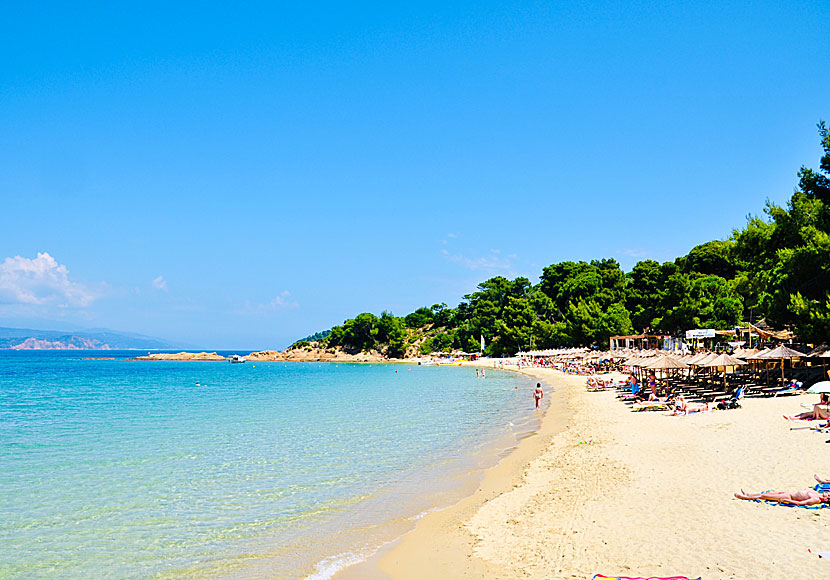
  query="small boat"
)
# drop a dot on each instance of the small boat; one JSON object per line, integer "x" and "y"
{"x": 237, "y": 359}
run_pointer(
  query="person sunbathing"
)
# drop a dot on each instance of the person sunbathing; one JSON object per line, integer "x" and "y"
{"x": 797, "y": 497}
{"x": 682, "y": 407}
{"x": 820, "y": 411}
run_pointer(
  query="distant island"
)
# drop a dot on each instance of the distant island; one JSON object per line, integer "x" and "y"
{"x": 95, "y": 339}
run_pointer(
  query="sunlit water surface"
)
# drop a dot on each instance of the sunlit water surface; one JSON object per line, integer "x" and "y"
{"x": 127, "y": 470}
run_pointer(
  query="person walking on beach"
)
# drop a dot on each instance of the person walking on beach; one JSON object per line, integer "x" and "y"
{"x": 538, "y": 394}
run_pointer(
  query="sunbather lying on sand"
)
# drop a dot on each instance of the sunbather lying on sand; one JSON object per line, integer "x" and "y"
{"x": 797, "y": 497}
{"x": 817, "y": 413}
{"x": 682, "y": 407}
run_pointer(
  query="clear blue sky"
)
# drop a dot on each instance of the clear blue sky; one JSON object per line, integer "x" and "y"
{"x": 240, "y": 175}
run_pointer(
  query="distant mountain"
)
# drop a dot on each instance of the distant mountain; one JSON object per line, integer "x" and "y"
{"x": 93, "y": 339}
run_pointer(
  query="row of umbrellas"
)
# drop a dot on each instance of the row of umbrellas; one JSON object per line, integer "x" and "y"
{"x": 668, "y": 361}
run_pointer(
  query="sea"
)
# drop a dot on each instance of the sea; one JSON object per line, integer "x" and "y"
{"x": 117, "y": 469}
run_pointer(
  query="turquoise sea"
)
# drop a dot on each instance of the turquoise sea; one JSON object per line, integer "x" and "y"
{"x": 129, "y": 470}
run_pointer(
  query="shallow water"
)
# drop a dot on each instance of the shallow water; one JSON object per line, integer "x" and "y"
{"x": 116, "y": 469}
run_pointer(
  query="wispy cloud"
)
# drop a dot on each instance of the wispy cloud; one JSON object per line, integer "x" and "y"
{"x": 41, "y": 281}
{"x": 159, "y": 283}
{"x": 494, "y": 261}
{"x": 282, "y": 301}
{"x": 632, "y": 252}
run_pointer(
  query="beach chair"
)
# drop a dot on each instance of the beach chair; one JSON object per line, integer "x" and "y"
{"x": 653, "y": 406}
{"x": 793, "y": 388}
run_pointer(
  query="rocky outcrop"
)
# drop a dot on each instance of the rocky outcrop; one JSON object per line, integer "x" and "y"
{"x": 313, "y": 353}
{"x": 209, "y": 356}
{"x": 264, "y": 355}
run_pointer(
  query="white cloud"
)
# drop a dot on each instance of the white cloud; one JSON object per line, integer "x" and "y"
{"x": 41, "y": 281}
{"x": 632, "y": 252}
{"x": 493, "y": 262}
{"x": 160, "y": 283}
{"x": 282, "y": 301}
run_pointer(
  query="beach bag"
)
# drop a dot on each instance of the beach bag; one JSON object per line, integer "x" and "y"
{"x": 729, "y": 404}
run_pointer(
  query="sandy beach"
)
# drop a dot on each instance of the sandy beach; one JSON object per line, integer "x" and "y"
{"x": 600, "y": 489}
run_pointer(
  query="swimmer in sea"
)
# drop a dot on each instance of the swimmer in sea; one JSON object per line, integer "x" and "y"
{"x": 538, "y": 394}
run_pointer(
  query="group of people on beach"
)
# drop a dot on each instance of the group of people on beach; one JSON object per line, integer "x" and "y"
{"x": 801, "y": 497}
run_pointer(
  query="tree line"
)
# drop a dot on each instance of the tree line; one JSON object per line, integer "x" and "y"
{"x": 776, "y": 267}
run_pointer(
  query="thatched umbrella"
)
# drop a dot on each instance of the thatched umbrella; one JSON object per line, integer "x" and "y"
{"x": 665, "y": 363}
{"x": 822, "y": 352}
{"x": 781, "y": 352}
{"x": 759, "y": 356}
{"x": 723, "y": 360}
{"x": 824, "y": 355}
{"x": 745, "y": 353}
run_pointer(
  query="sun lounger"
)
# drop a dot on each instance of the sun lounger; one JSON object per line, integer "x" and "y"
{"x": 776, "y": 391}
{"x": 808, "y": 507}
{"x": 652, "y": 406}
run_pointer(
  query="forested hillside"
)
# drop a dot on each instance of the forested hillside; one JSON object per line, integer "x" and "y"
{"x": 777, "y": 267}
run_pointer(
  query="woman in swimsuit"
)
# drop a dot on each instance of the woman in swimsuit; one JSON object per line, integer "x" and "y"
{"x": 538, "y": 394}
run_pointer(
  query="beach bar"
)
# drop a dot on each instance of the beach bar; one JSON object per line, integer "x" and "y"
{"x": 638, "y": 341}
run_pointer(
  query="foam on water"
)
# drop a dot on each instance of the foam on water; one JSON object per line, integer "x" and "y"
{"x": 114, "y": 469}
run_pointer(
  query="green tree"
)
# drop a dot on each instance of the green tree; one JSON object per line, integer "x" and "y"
{"x": 419, "y": 318}
{"x": 645, "y": 296}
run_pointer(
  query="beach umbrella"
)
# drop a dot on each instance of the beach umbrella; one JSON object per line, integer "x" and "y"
{"x": 701, "y": 362}
{"x": 664, "y": 363}
{"x": 781, "y": 353}
{"x": 818, "y": 388}
{"x": 723, "y": 360}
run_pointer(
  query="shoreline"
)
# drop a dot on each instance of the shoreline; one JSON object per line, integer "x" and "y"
{"x": 603, "y": 490}
{"x": 439, "y": 532}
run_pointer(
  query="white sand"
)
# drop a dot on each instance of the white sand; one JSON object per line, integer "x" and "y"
{"x": 650, "y": 496}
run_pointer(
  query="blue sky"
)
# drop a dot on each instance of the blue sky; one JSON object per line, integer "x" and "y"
{"x": 241, "y": 175}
